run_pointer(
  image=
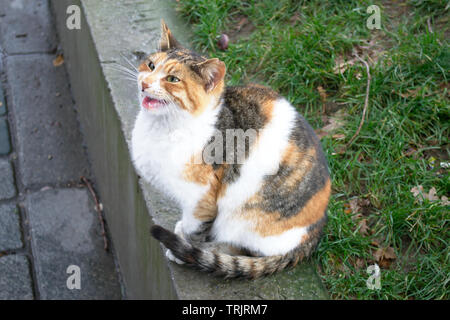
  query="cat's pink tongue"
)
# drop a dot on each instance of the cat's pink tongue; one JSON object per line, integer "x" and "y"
{"x": 150, "y": 103}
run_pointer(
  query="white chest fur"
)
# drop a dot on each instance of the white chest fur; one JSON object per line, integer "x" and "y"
{"x": 161, "y": 147}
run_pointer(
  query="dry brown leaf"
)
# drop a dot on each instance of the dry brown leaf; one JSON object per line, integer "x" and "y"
{"x": 294, "y": 18}
{"x": 378, "y": 254}
{"x": 322, "y": 93}
{"x": 354, "y": 205}
{"x": 385, "y": 256}
{"x": 364, "y": 202}
{"x": 410, "y": 93}
{"x": 334, "y": 122}
{"x": 375, "y": 243}
{"x": 355, "y": 208}
{"x": 347, "y": 209}
{"x": 358, "y": 207}
{"x": 58, "y": 61}
{"x": 385, "y": 263}
{"x": 444, "y": 201}
{"x": 243, "y": 21}
{"x": 389, "y": 253}
{"x": 359, "y": 263}
{"x": 431, "y": 195}
{"x": 363, "y": 228}
{"x": 342, "y": 65}
{"x": 338, "y": 136}
{"x": 419, "y": 193}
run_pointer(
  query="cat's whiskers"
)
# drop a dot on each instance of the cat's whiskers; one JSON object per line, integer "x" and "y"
{"x": 124, "y": 72}
{"x": 119, "y": 67}
{"x": 173, "y": 108}
{"x": 169, "y": 106}
{"x": 129, "y": 62}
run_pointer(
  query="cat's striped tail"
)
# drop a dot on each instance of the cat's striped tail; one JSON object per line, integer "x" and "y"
{"x": 226, "y": 265}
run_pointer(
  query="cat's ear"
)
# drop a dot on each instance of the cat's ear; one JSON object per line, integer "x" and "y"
{"x": 212, "y": 71}
{"x": 167, "y": 41}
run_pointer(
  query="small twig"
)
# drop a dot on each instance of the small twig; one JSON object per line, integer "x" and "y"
{"x": 323, "y": 98}
{"x": 366, "y": 101}
{"x": 99, "y": 210}
{"x": 429, "y": 25}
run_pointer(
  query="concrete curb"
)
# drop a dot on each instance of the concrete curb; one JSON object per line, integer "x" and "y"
{"x": 107, "y": 106}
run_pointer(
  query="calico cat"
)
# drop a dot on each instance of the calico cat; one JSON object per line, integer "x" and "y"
{"x": 246, "y": 218}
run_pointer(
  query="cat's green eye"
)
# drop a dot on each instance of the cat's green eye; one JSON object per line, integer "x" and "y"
{"x": 172, "y": 79}
{"x": 151, "y": 66}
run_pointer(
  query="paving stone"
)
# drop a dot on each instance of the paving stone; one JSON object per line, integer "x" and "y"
{"x": 25, "y": 27}
{"x": 15, "y": 280}
{"x": 7, "y": 187}
{"x": 5, "y": 145}
{"x": 65, "y": 231}
{"x": 10, "y": 235}
{"x": 49, "y": 143}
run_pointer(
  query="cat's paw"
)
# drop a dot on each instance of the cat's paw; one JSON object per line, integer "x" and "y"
{"x": 196, "y": 235}
{"x": 171, "y": 257}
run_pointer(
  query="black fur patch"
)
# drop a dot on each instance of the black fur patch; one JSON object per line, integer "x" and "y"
{"x": 288, "y": 201}
{"x": 241, "y": 110}
{"x": 179, "y": 247}
{"x": 162, "y": 234}
{"x": 185, "y": 56}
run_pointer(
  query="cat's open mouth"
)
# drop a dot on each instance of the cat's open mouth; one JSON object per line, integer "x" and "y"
{"x": 152, "y": 103}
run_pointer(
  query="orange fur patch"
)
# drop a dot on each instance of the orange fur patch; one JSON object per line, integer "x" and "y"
{"x": 198, "y": 173}
{"x": 267, "y": 109}
{"x": 301, "y": 161}
{"x": 270, "y": 224}
{"x": 204, "y": 174}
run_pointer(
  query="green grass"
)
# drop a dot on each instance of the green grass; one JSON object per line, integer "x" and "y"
{"x": 293, "y": 47}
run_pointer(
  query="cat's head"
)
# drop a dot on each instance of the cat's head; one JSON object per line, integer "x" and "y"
{"x": 177, "y": 78}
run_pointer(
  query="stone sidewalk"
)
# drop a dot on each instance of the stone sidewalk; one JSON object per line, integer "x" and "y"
{"x": 48, "y": 220}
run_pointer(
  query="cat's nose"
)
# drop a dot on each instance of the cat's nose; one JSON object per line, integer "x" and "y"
{"x": 144, "y": 86}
